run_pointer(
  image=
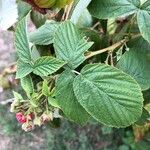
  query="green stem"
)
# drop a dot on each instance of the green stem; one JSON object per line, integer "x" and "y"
{"x": 111, "y": 48}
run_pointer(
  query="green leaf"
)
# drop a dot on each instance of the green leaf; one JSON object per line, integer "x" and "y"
{"x": 21, "y": 41}
{"x": 38, "y": 19}
{"x": 17, "y": 96}
{"x": 27, "y": 85}
{"x": 144, "y": 118}
{"x": 23, "y": 9}
{"x": 47, "y": 65}
{"x": 35, "y": 53}
{"x": 67, "y": 100}
{"x": 143, "y": 19}
{"x": 79, "y": 8}
{"x": 85, "y": 20}
{"x": 139, "y": 44}
{"x": 137, "y": 65}
{"x": 45, "y": 88}
{"x": 70, "y": 45}
{"x": 104, "y": 9}
{"x": 109, "y": 95}
{"x": 23, "y": 69}
{"x": 45, "y": 34}
{"x": 53, "y": 102}
{"x": 145, "y": 5}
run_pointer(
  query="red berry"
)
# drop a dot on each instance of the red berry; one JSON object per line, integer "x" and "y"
{"x": 21, "y": 118}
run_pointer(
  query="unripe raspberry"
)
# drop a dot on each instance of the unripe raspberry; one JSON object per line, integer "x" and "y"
{"x": 28, "y": 126}
{"x": 46, "y": 117}
{"x": 21, "y": 118}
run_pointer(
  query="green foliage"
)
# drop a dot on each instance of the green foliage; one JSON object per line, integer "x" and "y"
{"x": 79, "y": 7}
{"x": 23, "y": 69}
{"x": 143, "y": 18}
{"x": 96, "y": 90}
{"x": 72, "y": 77}
{"x": 23, "y": 9}
{"x": 105, "y": 9}
{"x": 67, "y": 99}
{"x": 21, "y": 41}
{"x": 47, "y": 65}
{"x": 27, "y": 85}
{"x": 45, "y": 34}
{"x": 72, "y": 50}
{"x": 140, "y": 68}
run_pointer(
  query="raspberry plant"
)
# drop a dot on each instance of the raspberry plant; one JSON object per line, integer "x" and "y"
{"x": 86, "y": 59}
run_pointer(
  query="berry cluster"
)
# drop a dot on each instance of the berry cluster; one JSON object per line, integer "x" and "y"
{"x": 31, "y": 115}
{"x": 29, "y": 121}
{"x": 26, "y": 121}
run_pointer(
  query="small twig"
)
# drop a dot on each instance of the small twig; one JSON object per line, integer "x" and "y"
{"x": 64, "y": 14}
{"x": 110, "y": 48}
{"x": 111, "y": 59}
{"x": 68, "y": 11}
{"x": 107, "y": 59}
{"x": 95, "y": 25}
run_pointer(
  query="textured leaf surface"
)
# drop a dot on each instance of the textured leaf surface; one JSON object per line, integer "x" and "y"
{"x": 67, "y": 100}
{"x": 47, "y": 65}
{"x": 80, "y": 7}
{"x": 17, "y": 96}
{"x": 104, "y": 9}
{"x": 109, "y": 95}
{"x": 45, "y": 88}
{"x": 27, "y": 85}
{"x": 138, "y": 66}
{"x": 70, "y": 45}
{"x": 23, "y": 9}
{"x": 38, "y": 19}
{"x": 45, "y": 34}
{"x": 139, "y": 44}
{"x": 143, "y": 19}
{"x": 23, "y": 69}
{"x": 21, "y": 41}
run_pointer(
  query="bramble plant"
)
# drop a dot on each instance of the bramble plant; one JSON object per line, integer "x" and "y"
{"x": 86, "y": 59}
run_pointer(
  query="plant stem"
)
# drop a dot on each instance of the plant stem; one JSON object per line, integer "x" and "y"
{"x": 110, "y": 48}
{"x": 68, "y": 11}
